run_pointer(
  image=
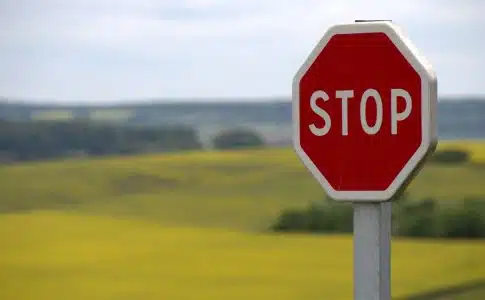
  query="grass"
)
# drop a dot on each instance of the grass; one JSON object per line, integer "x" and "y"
{"x": 478, "y": 293}
{"x": 185, "y": 226}
{"x": 59, "y": 255}
{"x": 242, "y": 190}
{"x": 469, "y": 291}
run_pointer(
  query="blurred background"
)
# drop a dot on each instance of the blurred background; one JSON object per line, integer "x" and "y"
{"x": 145, "y": 153}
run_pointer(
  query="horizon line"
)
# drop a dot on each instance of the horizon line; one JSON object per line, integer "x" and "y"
{"x": 188, "y": 100}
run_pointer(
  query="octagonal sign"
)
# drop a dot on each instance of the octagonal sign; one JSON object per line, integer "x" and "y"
{"x": 364, "y": 106}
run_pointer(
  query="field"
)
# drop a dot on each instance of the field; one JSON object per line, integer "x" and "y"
{"x": 94, "y": 114}
{"x": 55, "y": 115}
{"x": 190, "y": 226}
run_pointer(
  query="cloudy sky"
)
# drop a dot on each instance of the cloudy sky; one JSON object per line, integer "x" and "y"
{"x": 118, "y": 50}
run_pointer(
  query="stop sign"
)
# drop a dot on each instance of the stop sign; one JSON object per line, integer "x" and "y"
{"x": 364, "y": 106}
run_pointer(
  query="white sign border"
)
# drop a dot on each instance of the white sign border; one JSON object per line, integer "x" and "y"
{"x": 429, "y": 99}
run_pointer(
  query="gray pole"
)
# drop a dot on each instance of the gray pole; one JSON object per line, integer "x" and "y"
{"x": 372, "y": 247}
{"x": 372, "y": 251}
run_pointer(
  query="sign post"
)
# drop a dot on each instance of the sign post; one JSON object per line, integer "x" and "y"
{"x": 364, "y": 105}
{"x": 372, "y": 251}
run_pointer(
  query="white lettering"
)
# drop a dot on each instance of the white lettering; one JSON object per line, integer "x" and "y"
{"x": 319, "y": 111}
{"x": 363, "y": 108}
{"x": 399, "y": 116}
{"x": 345, "y": 95}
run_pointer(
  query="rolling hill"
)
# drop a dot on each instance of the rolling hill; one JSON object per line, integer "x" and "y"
{"x": 194, "y": 226}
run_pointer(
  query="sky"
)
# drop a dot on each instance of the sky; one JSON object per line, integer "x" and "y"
{"x": 102, "y": 51}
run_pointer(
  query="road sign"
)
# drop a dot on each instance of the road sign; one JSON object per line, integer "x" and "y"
{"x": 364, "y": 106}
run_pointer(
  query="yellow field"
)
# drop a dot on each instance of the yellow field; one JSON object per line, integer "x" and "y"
{"x": 49, "y": 255}
{"x": 240, "y": 190}
{"x": 52, "y": 115}
{"x": 190, "y": 226}
{"x": 111, "y": 114}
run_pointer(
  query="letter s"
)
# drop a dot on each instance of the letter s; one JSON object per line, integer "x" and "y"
{"x": 319, "y": 111}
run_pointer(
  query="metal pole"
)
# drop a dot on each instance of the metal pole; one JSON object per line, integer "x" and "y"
{"x": 372, "y": 246}
{"x": 372, "y": 251}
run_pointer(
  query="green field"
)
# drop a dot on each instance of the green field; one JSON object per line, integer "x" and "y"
{"x": 190, "y": 226}
{"x": 52, "y": 115}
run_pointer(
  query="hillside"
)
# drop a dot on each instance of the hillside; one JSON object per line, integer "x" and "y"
{"x": 58, "y": 256}
{"x": 242, "y": 190}
{"x": 150, "y": 227}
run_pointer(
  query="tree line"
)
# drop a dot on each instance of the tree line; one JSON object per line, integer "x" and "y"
{"x": 431, "y": 218}
{"x": 39, "y": 140}
{"x": 426, "y": 218}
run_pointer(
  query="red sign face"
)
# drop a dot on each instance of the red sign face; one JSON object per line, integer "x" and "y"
{"x": 363, "y": 111}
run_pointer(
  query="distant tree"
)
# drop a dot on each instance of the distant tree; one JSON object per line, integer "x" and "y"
{"x": 37, "y": 140}
{"x": 410, "y": 218}
{"x": 450, "y": 156}
{"x": 238, "y": 138}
